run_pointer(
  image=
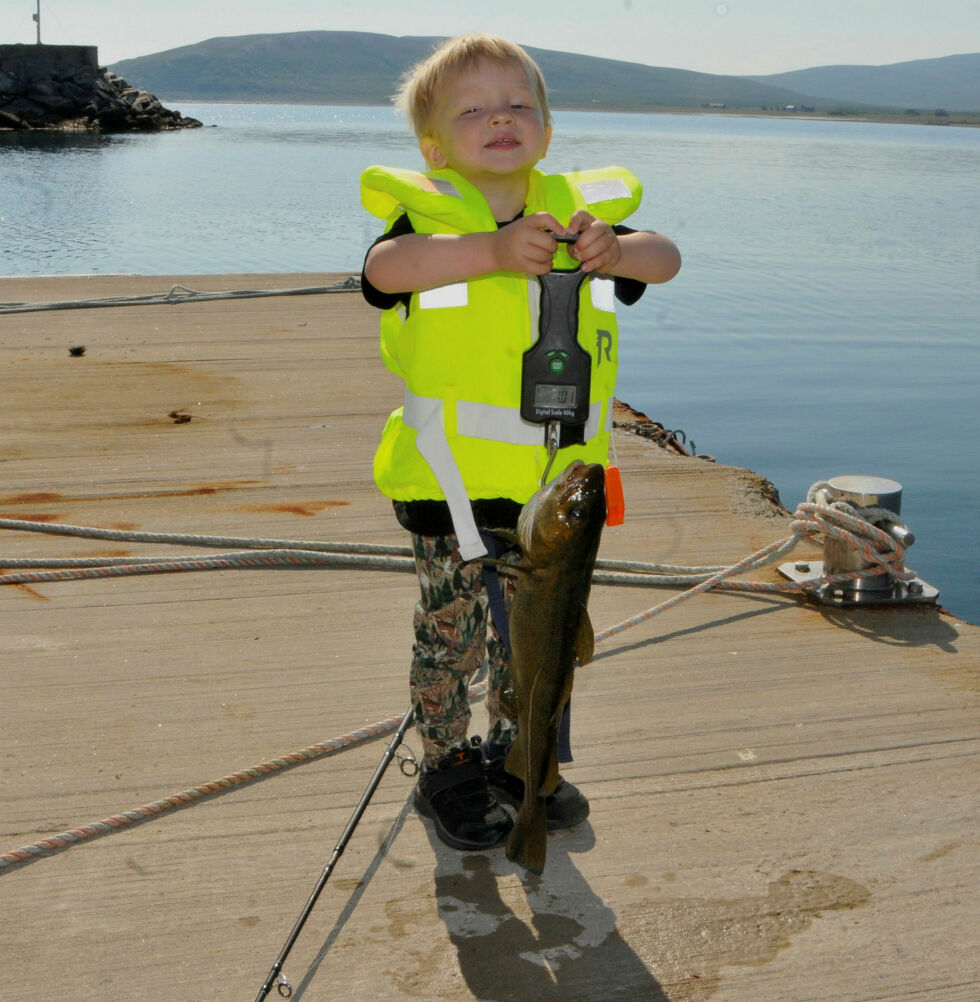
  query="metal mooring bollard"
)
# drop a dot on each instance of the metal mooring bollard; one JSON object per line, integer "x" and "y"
{"x": 878, "y": 501}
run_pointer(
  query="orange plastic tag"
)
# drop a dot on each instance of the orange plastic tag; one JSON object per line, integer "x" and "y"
{"x": 615, "y": 503}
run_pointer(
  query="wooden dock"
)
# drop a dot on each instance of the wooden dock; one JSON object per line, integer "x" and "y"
{"x": 784, "y": 796}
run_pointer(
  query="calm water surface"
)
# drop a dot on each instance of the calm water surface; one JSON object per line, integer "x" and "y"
{"x": 826, "y": 320}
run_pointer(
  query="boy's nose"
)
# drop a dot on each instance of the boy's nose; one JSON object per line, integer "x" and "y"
{"x": 500, "y": 116}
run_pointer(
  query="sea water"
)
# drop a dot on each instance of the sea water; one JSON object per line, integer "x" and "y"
{"x": 826, "y": 320}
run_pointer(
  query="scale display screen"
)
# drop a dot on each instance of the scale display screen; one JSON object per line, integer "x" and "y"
{"x": 552, "y": 395}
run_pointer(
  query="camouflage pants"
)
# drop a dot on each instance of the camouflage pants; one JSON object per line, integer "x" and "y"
{"x": 455, "y": 638}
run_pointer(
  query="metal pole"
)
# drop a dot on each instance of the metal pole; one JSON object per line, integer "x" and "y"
{"x": 337, "y": 853}
{"x": 37, "y": 18}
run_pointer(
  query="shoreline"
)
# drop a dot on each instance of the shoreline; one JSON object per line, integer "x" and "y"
{"x": 954, "y": 119}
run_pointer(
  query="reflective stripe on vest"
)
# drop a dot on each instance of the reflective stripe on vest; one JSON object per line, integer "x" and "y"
{"x": 427, "y": 416}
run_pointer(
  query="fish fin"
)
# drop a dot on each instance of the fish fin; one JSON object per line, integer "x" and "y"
{"x": 509, "y": 535}
{"x": 494, "y": 562}
{"x": 584, "y": 639}
{"x": 506, "y": 566}
{"x": 527, "y": 843}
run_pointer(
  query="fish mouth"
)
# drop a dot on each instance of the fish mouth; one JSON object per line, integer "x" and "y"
{"x": 587, "y": 475}
{"x": 584, "y": 479}
{"x": 580, "y": 488}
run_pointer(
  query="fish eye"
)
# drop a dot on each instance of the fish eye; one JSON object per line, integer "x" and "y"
{"x": 577, "y": 512}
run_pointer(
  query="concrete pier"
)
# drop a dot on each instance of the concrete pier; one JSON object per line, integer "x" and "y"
{"x": 784, "y": 796}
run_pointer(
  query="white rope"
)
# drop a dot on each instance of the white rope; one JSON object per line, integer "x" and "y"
{"x": 180, "y": 294}
{"x": 880, "y": 552}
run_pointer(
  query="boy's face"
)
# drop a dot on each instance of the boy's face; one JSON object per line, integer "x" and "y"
{"x": 487, "y": 122}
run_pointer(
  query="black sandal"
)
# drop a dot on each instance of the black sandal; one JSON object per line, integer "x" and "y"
{"x": 455, "y": 795}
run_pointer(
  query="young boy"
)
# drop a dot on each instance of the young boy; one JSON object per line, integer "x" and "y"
{"x": 455, "y": 273}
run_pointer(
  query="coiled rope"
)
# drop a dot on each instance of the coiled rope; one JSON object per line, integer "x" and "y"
{"x": 841, "y": 520}
{"x": 180, "y": 294}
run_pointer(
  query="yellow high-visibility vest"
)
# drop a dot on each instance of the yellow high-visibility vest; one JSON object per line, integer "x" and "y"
{"x": 459, "y": 435}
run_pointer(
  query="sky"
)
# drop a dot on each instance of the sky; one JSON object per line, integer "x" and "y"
{"x": 738, "y": 37}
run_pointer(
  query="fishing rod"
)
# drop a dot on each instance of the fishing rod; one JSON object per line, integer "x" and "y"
{"x": 284, "y": 988}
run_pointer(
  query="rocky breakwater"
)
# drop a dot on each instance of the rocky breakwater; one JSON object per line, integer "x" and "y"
{"x": 62, "y": 87}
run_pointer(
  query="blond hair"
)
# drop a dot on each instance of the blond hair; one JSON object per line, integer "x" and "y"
{"x": 419, "y": 88}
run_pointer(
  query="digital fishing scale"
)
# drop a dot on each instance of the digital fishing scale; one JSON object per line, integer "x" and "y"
{"x": 556, "y": 372}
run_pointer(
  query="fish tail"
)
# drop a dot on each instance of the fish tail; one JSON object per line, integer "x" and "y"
{"x": 527, "y": 843}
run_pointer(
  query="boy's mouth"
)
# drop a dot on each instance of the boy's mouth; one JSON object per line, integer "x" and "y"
{"x": 503, "y": 143}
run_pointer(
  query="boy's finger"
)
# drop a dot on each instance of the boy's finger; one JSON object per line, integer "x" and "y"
{"x": 583, "y": 247}
{"x": 546, "y": 221}
{"x": 581, "y": 220}
{"x": 545, "y": 241}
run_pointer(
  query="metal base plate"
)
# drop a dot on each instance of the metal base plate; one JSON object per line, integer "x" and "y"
{"x": 916, "y": 592}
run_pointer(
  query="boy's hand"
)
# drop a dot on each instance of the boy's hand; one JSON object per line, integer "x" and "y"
{"x": 597, "y": 247}
{"x": 525, "y": 245}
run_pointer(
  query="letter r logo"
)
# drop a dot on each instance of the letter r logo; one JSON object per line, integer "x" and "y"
{"x": 603, "y": 346}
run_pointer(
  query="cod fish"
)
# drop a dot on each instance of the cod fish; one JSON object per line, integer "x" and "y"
{"x": 558, "y": 530}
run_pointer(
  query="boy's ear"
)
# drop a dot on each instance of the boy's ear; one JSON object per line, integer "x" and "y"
{"x": 547, "y": 140}
{"x": 431, "y": 152}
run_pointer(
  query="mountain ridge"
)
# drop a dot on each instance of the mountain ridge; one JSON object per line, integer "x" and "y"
{"x": 953, "y": 80}
{"x": 343, "y": 67}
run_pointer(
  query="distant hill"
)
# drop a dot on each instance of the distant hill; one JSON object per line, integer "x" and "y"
{"x": 333, "y": 67}
{"x": 951, "y": 82}
{"x": 343, "y": 67}
{"x": 352, "y": 67}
